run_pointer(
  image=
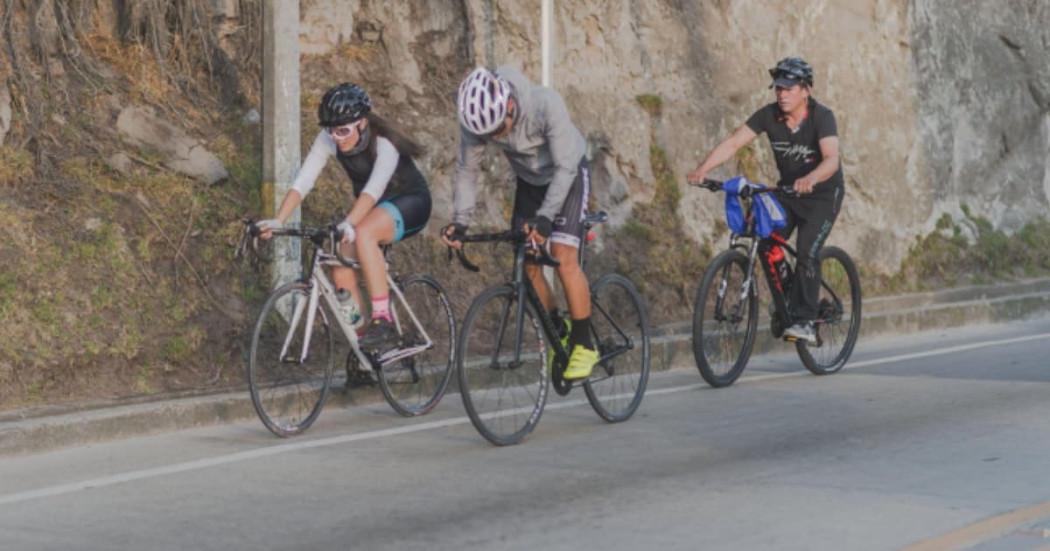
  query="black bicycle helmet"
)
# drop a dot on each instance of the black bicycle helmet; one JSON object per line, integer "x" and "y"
{"x": 343, "y": 104}
{"x": 791, "y": 71}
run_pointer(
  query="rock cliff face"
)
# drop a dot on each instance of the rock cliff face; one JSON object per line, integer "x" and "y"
{"x": 939, "y": 103}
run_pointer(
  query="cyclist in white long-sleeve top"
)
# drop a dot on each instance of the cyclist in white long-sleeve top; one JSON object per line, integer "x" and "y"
{"x": 392, "y": 199}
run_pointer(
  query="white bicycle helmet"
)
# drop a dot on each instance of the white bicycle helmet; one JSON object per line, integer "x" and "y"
{"x": 482, "y": 101}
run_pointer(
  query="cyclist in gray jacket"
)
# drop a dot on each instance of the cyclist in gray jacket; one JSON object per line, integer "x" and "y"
{"x": 531, "y": 126}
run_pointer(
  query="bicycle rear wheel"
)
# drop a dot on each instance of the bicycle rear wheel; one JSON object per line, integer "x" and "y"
{"x": 725, "y": 320}
{"x": 288, "y": 390}
{"x": 838, "y": 314}
{"x": 503, "y": 392}
{"x": 620, "y": 327}
{"x": 414, "y": 386}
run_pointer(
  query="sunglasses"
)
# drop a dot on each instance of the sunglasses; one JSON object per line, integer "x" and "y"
{"x": 343, "y": 132}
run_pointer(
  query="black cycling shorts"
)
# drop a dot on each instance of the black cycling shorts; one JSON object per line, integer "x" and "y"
{"x": 568, "y": 224}
{"x": 410, "y": 213}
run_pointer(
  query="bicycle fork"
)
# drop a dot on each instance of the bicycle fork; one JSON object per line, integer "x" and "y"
{"x": 297, "y": 314}
{"x": 723, "y": 286}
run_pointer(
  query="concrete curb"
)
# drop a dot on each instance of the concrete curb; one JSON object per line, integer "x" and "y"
{"x": 38, "y": 431}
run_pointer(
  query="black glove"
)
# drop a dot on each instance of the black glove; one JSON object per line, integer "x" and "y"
{"x": 541, "y": 224}
{"x": 457, "y": 231}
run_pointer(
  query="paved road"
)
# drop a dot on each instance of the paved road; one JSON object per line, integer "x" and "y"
{"x": 938, "y": 440}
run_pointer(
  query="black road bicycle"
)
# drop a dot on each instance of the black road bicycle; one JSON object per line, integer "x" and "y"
{"x": 725, "y": 315}
{"x": 292, "y": 350}
{"x": 509, "y": 347}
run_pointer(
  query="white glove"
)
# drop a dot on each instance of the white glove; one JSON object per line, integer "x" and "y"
{"x": 347, "y": 231}
{"x": 269, "y": 224}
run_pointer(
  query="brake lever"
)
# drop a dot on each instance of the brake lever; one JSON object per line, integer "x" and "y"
{"x": 250, "y": 234}
{"x": 542, "y": 256}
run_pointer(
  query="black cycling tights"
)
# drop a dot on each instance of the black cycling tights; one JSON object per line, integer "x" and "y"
{"x": 813, "y": 216}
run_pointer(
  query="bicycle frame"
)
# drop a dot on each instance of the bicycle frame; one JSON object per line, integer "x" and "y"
{"x": 524, "y": 290}
{"x": 780, "y": 302}
{"x": 320, "y": 286}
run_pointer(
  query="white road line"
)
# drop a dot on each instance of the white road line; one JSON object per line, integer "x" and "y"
{"x": 63, "y": 489}
{"x": 949, "y": 350}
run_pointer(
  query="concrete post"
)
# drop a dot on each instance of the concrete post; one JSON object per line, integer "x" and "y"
{"x": 546, "y": 16}
{"x": 281, "y": 123}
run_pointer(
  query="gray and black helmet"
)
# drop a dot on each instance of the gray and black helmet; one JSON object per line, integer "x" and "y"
{"x": 791, "y": 71}
{"x": 343, "y": 104}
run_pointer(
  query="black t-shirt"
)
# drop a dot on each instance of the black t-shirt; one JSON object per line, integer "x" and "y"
{"x": 798, "y": 153}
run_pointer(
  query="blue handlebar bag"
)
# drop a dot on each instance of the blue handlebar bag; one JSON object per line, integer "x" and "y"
{"x": 769, "y": 214}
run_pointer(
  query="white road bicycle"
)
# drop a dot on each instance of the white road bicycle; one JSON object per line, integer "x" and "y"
{"x": 292, "y": 350}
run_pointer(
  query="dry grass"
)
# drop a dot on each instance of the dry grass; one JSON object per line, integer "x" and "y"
{"x": 16, "y": 166}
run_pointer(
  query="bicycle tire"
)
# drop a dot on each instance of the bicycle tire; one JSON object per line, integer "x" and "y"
{"x": 287, "y": 394}
{"x": 717, "y": 357}
{"x": 487, "y": 373}
{"x": 620, "y": 328}
{"x": 415, "y": 385}
{"x": 836, "y": 345}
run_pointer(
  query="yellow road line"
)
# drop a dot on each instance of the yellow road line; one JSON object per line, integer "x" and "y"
{"x": 984, "y": 530}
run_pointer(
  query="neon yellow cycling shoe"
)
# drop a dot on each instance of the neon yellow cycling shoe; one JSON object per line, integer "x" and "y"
{"x": 581, "y": 362}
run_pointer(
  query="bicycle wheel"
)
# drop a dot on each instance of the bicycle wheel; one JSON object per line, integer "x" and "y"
{"x": 288, "y": 390}
{"x": 414, "y": 385}
{"x": 503, "y": 395}
{"x": 620, "y": 327}
{"x": 725, "y": 319}
{"x": 838, "y": 314}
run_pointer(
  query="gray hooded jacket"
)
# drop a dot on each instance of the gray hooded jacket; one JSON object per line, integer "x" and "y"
{"x": 544, "y": 148}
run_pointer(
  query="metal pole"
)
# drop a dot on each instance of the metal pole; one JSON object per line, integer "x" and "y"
{"x": 281, "y": 123}
{"x": 546, "y": 15}
{"x": 545, "y": 38}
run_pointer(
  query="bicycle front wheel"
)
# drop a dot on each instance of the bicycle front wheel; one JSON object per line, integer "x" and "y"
{"x": 725, "y": 319}
{"x": 414, "y": 385}
{"x": 287, "y": 380}
{"x": 620, "y": 327}
{"x": 838, "y": 314}
{"x": 503, "y": 380}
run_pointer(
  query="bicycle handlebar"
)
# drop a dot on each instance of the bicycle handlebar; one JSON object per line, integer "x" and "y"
{"x": 316, "y": 234}
{"x": 718, "y": 185}
{"x": 516, "y": 237}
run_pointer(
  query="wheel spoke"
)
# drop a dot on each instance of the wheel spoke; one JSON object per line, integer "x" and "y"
{"x": 724, "y": 319}
{"x": 414, "y": 385}
{"x": 840, "y": 304}
{"x": 620, "y": 330}
{"x": 288, "y": 396}
{"x": 501, "y": 393}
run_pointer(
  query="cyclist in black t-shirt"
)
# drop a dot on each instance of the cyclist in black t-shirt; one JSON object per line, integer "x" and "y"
{"x": 804, "y": 139}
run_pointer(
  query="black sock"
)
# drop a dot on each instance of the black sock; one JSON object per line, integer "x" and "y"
{"x": 581, "y": 334}
{"x": 558, "y": 321}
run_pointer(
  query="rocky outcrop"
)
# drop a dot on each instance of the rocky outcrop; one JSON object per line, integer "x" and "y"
{"x": 183, "y": 154}
{"x": 325, "y": 25}
{"x": 5, "y": 113}
{"x": 984, "y": 106}
{"x": 939, "y": 103}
